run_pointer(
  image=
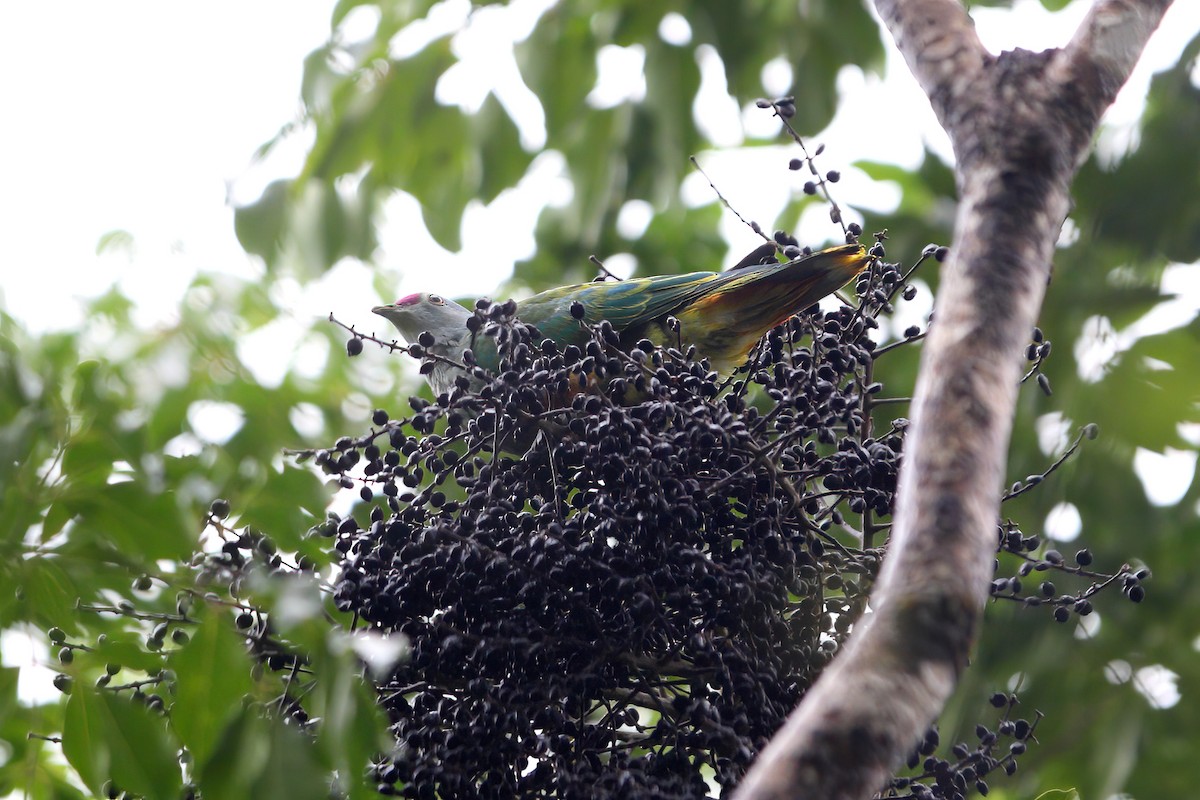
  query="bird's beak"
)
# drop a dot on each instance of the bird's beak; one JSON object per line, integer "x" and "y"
{"x": 381, "y": 310}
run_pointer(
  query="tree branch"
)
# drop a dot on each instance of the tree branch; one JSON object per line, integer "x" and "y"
{"x": 1108, "y": 43}
{"x": 938, "y": 41}
{"x": 1021, "y": 123}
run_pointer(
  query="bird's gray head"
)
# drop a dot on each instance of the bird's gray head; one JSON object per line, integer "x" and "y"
{"x": 445, "y": 319}
{"x": 411, "y": 315}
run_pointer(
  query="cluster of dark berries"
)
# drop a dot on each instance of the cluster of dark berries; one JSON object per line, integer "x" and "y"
{"x": 620, "y": 591}
{"x": 243, "y": 558}
{"x": 965, "y": 772}
{"x": 1037, "y": 351}
{"x": 1033, "y": 557}
{"x": 617, "y": 571}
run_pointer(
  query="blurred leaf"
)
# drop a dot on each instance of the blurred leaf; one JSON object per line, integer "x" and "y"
{"x": 168, "y": 418}
{"x": 599, "y": 179}
{"x": 8, "y": 690}
{"x": 213, "y": 675}
{"x": 115, "y": 241}
{"x": 18, "y": 437}
{"x": 1148, "y": 202}
{"x": 133, "y": 519}
{"x": 255, "y": 306}
{"x": 343, "y": 8}
{"x": 111, "y": 738}
{"x": 320, "y": 80}
{"x": 49, "y": 593}
{"x": 816, "y": 46}
{"x": 664, "y": 124}
{"x": 1142, "y": 403}
{"x": 286, "y": 504}
{"x": 127, "y": 648}
{"x": 502, "y": 160}
{"x": 395, "y": 15}
{"x": 379, "y": 116}
{"x": 928, "y": 204}
{"x": 261, "y": 226}
{"x": 379, "y": 128}
{"x": 558, "y": 62}
{"x": 918, "y": 196}
{"x": 789, "y": 218}
{"x": 681, "y": 240}
{"x": 88, "y": 458}
{"x": 353, "y": 730}
{"x": 410, "y": 141}
{"x": 263, "y": 758}
{"x": 315, "y": 223}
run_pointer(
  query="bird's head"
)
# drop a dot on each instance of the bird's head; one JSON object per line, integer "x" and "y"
{"x": 414, "y": 313}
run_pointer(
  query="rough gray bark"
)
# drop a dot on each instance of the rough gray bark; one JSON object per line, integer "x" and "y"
{"x": 1021, "y": 124}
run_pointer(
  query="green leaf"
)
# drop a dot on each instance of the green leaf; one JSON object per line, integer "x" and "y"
{"x": 115, "y": 241}
{"x": 600, "y": 179}
{"x": 263, "y": 758}
{"x": 262, "y": 225}
{"x": 286, "y": 504}
{"x": 501, "y": 159}
{"x": 393, "y": 124}
{"x": 49, "y": 593}
{"x": 558, "y": 62}
{"x": 918, "y": 198}
{"x": 57, "y": 516}
{"x": 127, "y": 649}
{"x": 352, "y": 727}
{"x": 168, "y": 418}
{"x": 17, "y": 441}
{"x": 396, "y": 15}
{"x": 1141, "y": 402}
{"x": 681, "y": 240}
{"x": 1164, "y": 169}
{"x": 664, "y": 122}
{"x": 213, "y": 677}
{"x": 106, "y": 737}
{"x": 88, "y": 458}
{"x": 320, "y": 82}
{"x": 8, "y": 690}
{"x": 133, "y": 519}
{"x": 85, "y": 738}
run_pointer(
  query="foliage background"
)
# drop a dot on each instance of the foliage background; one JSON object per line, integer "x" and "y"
{"x": 108, "y": 456}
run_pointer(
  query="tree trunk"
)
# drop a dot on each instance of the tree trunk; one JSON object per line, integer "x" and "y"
{"x": 1021, "y": 124}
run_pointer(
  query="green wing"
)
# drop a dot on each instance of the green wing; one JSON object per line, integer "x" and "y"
{"x": 723, "y": 313}
{"x": 628, "y": 305}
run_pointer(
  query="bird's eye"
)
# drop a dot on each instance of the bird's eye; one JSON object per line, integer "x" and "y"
{"x": 437, "y": 300}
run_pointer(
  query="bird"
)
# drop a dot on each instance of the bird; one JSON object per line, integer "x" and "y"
{"x": 724, "y": 314}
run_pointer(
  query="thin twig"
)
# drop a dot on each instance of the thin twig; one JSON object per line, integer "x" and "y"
{"x": 1087, "y": 431}
{"x": 600, "y": 266}
{"x": 754, "y": 226}
{"x": 835, "y": 211}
